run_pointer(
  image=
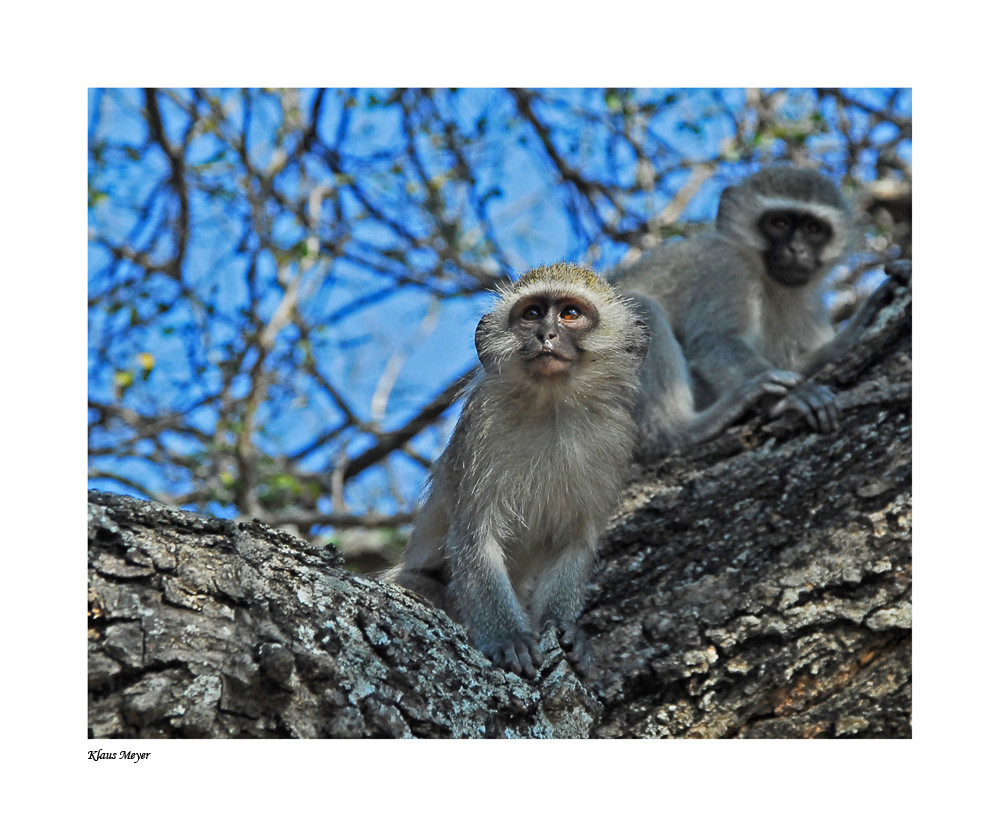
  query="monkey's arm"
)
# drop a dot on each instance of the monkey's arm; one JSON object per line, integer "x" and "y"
{"x": 558, "y": 598}
{"x": 724, "y": 360}
{"x": 738, "y": 401}
{"x": 481, "y": 594}
{"x": 817, "y": 402}
{"x": 665, "y": 412}
{"x": 743, "y": 378}
{"x": 899, "y": 273}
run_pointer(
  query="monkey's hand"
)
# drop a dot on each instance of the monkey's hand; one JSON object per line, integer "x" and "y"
{"x": 576, "y": 645}
{"x": 757, "y": 390}
{"x": 770, "y": 382}
{"x": 516, "y": 652}
{"x": 657, "y": 439}
{"x": 817, "y": 403}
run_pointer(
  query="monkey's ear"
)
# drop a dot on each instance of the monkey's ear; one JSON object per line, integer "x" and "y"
{"x": 726, "y": 203}
{"x": 642, "y": 345}
{"x": 482, "y": 336}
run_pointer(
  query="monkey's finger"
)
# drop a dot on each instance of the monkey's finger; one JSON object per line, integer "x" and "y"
{"x": 505, "y": 659}
{"x": 582, "y": 661}
{"x": 816, "y": 413}
{"x": 830, "y": 416}
{"x": 536, "y": 654}
{"x": 798, "y": 403}
{"x": 775, "y": 382}
{"x": 823, "y": 403}
{"x": 833, "y": 412}
{"x": 779, "y": 408}
{"x": 825, "y": 419}
{"x": 517, "y": 657}
{"x": 789, "y": 378}
{"x": 525, "y": 658}
{"x": 577, "y": 647}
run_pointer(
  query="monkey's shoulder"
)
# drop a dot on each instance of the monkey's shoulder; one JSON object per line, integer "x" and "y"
{"x": 679, "y": 270}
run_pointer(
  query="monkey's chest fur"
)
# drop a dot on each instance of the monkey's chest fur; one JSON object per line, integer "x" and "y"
{"x": 784, "y": 324}
{"x": 549, "y": 488}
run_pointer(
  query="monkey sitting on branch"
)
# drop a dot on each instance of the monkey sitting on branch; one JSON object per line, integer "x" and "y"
{"x": 506, "y": 538}
{"x": 736, "y": 314}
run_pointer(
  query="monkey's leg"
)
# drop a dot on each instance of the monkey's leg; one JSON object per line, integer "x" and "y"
{"x": 666, "y": 399}
{"x": 481, "y": 594}
{"x": 430, "y": 585}
{"x": 558, "y": 598}
{"x": 423, "y": 568}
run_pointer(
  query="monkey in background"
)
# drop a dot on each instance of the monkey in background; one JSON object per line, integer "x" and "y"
{"x": 736, "y": 314}
{"x": 506, "y": 538}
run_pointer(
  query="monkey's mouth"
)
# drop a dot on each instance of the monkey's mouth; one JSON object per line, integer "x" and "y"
{"x": 792, "y": 275}
{"x": 789, "y": 269}
{"x": 550, "y": 363}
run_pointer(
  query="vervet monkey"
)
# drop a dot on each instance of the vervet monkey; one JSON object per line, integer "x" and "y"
{"x": 516, "y": 504}
{"x": 736, "y": 314}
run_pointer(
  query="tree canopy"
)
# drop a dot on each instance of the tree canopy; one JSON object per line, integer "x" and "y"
{"x": 283, "y": 283}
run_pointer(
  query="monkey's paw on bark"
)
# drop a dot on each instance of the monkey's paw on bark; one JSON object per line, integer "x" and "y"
{"x": 517, "y": 652}
{"x": 773, "y": 381}
{"x": 770, "y": 383}
{"x": 759, "y": 390}
{"x": 576, "y": 645}
{"x": 817, "y": 403}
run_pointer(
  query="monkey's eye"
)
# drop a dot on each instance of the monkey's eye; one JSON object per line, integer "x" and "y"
{"x": 816, "y": 228}
{"x": 779, "y": 222}
{"x": 570, "y": 313}
{"x": 532, "y": 312}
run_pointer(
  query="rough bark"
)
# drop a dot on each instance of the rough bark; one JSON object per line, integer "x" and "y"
{"x": 201, "y": 627}
{"x": 754, "y": 586}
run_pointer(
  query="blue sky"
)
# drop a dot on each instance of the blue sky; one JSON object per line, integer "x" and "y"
{"x": 532, "y": 229}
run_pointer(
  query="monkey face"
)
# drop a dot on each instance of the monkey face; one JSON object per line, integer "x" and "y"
{"x": 795, "y": 243}
{"x": 550, "y": 330}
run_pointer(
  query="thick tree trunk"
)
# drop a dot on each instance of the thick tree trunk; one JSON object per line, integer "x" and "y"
{"x": 754, "y": 586}
{"x": 201, "y": 627}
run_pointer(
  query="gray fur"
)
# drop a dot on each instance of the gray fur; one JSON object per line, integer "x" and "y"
{"x": 522, "y": 492}
{"x": 726, "y": 335}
